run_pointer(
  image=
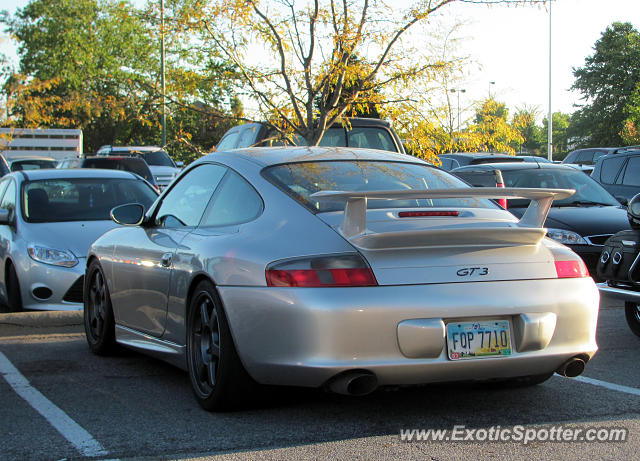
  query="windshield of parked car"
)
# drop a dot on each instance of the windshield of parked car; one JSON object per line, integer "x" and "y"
{"x": 588, "y": 191}
{"x": 300, "y": 180}
{"x": 81, "y": 199}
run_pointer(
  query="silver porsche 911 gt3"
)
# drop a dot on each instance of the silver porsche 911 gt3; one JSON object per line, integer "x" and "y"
{"x": 338, "y": 267}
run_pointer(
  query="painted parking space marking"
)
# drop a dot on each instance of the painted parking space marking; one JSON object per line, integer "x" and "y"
{"x": 67, "y": 427}
{"x": 607, "y": 385}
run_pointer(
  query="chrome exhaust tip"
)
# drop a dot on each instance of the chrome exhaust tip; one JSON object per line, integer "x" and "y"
{"x": 572, "y": 367}
{"x": 354, "y": 383}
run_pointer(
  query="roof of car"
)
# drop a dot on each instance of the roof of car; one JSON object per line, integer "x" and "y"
{"x": 266, "y": 156}
{"x": 73, "y": 173}
{"x": 513, "y": 166}
{"x": 476, "y": 154}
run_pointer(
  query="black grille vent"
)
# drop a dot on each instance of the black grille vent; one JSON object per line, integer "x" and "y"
{"x": 597, "y": 239}
{"x": 74, "y": 294}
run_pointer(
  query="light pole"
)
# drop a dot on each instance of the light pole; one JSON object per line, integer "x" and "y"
{"x": 460, "y": 90}
{"x": 164, "y": 117}
{"x": 490, "y": 83}
{"x": 550, "y": 122}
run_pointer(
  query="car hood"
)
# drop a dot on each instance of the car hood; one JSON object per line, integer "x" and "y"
{"x": 76, "y": 236}
{"x": 585, "y": 220}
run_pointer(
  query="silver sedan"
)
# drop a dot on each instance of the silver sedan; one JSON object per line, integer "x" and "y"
{"x": 337, "y": 267}
{"x": 48, "y": 219}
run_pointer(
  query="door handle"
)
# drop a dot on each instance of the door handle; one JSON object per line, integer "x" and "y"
{"x": 166, "y": 260}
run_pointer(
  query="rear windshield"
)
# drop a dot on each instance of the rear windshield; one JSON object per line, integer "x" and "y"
{"x": 300, "y": 180}
{"x": 125, "y": 164}
{"x": 365, "y": 137}
{"x": 81, "y": 199}
{"x": 157, "y": 158}
{"x": 32, "y": 164}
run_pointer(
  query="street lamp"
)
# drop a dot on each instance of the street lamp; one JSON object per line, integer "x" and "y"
{"x": 490, "y": 83}
{"x": 162, "y": 84}
{"x": 460, "y": 90}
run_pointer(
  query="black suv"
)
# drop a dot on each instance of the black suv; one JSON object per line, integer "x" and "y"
{"x": 363, "y": 132}
{"x": 619, "y": 173}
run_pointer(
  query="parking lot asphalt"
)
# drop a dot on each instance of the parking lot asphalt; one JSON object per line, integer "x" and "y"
{"x": 134, "y": 407}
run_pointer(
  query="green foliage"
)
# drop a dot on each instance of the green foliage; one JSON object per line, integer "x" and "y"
{"x": 607, "y": 82}
{"x": 95, "y": 65}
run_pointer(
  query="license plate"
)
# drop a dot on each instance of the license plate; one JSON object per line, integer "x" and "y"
{"x": 470, "y": 340}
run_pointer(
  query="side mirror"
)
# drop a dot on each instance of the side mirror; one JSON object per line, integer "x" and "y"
{"x": 5, "y": 217}
{"x": 131, "y": 214}
{"x": 623, "y": 200}
{"x": 180, "y": 164}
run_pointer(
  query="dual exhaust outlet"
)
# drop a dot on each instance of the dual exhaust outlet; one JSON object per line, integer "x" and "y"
{"x": 362, "y": 382}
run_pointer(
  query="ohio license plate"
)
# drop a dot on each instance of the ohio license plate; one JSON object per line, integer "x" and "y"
{"x": 470, "y": 340}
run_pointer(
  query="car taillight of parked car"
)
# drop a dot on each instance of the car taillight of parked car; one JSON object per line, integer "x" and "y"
{"x": 500, "y": 183}
{"x": 321, "y": 271}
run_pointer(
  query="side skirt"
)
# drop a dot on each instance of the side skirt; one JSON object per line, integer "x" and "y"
{"x": 172, "y": 353}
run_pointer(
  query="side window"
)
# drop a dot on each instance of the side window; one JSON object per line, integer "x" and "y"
{"x": 372, "y": 138}
{"x": 186, "y": 201}
{"x": 632, "y": 172}
{"x": 9, "y": 199}
{"x": 234, "y": 202}
{"x": 609, "y": 169}
{"x": 229, "y": 140}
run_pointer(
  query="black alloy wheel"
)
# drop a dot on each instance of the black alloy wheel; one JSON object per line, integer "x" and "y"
{"x": 218, "y": 379}
{"x": 99, "y": 324}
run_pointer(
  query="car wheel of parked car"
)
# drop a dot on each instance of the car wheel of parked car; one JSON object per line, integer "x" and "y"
{"x": 218, "y": 378}
{"x": 99, "y": 324}
{"x": 632, "y": 312}
{"x": 14, "y": 298}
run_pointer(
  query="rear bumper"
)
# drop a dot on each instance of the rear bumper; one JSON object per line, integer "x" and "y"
{"x": 621, "y": 294}
{"x": 305, "y": 336}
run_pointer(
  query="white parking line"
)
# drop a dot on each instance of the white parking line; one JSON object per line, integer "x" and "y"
{"x": 70, "y": 430}
{"x": 606, "y": 385}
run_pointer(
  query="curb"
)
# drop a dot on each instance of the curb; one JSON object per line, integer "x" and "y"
{"x": 42, "y": 318}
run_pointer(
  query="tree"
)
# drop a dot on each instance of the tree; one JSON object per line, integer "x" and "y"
{"x": 297, "y": 58}
{"x": 560, "y": 134}
{"x": 491, "y": 131}
{"x": 524, "y": 120}
{"x": 630, "y": 132}
{"x": 607, "y": 82}
{"x": 94, "y": 65}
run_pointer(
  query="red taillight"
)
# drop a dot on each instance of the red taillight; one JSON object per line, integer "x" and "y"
{"x": 573, "y": 268}
{"x": 420, "y": 214}
{"x": 321, "y": 271}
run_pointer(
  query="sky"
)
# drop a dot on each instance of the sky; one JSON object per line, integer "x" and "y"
{"x": 510, "y": 47}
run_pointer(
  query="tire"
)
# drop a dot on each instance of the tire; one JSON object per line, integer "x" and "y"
{"x": 218, "y": 379}
{"x": 14, "y": 299}
{"x": 632, "y": 312}
{"x": 99, "y": 324}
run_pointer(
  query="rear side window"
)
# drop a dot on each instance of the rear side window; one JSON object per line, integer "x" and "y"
{"x": 609, "y": 169}
{"x": 185, "y": 203}
{"x": 585, "y": 157}
{"x": 235, "y": 202}
{"x": 132, "y": 164}
{"x": 301, "y": 180}
{"x": 632, "y": 172}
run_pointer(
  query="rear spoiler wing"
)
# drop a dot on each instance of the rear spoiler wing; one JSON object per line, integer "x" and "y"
{"x": 354, "y": 222}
